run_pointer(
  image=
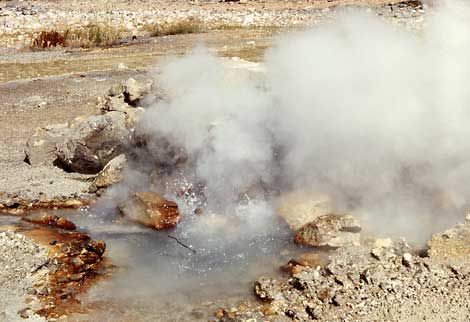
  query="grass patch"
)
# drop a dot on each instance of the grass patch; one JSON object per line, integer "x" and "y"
{"x": 189, "y": 26}
{"x": 85, "y": 37}
{"x": 47, "y": 39}
{"x": 93, "y": 36}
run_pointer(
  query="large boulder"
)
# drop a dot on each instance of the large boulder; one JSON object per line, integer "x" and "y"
{"x": 41, "y": 147}
{"x": 151, "y": 210}
{"x": 332, "y": 230}
{"x": 93, "y": 143}
{"x": 299, "y": 207}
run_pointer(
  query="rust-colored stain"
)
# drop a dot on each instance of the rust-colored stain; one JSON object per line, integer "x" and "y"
{"x": 76, "y": 263}
{"x": 24, "y": 207}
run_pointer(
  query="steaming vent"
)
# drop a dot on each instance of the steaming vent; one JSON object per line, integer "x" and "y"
{"x": 370, "y": 115}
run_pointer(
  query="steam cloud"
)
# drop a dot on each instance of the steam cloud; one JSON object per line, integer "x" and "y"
{"x": 368, "y": 112}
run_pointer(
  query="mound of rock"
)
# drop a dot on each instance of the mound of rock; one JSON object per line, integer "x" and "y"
{"x": 358, "y": 286}
{"x": 151, "y": 210}
{"x": 333, "y": 230}
{"x": 87, "y": 145}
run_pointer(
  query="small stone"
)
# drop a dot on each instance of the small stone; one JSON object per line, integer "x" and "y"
{"x": 219, "y": 313}
{"x": 24, "y": 313}
{"x": 332, "y": 230}
{"x": 383, "y": 242}
{"x": 76, "y": 277}
{"x": 407, "y": 259}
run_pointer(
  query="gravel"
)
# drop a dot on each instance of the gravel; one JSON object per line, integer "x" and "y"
{"x": 370, "y": 283}
{"x": 19, "y": 257}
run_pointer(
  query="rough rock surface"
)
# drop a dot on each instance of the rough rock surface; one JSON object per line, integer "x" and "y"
{"x": 41, "y": 147}
{"x": 151, "y": 210}
{"x": 378, "y": 281}
{"x": 114, "y": 103}
{"x": 93, "y": 143}
{"x": 333, "y": 230}
{"x": 453, "y": 245}
{"x": 111, "y": 173}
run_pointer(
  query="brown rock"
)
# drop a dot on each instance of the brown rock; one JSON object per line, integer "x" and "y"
{"x": 333, "y": 230}
{"x": 295, "y": 266}
{"x": 64, "y": 223}
{"x": 150, "y": 209}
{"x": 47, "y": 219}
{"x": 96, "y": 246}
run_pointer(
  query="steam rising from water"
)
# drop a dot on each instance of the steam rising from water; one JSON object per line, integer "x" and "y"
{"x": 371, "y": 114}
{"x": 368, "y": 112}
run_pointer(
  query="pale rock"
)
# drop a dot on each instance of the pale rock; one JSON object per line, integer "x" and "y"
{"x": 111, "y": 173}
{"x": 332, "y": 230}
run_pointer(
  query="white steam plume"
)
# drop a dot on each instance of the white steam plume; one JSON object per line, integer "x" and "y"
{"x": 374, "y": 115}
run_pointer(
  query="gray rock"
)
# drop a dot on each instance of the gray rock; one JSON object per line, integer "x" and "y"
{"x": 133, "y": 116}
{"x": 41, "y": 147}
{"x": 333, "y": 230}
{"x": 93, "y": 143}
{"x": 265, "y": 288}
{"x": 116, "y": 90}
{"x": 135, "y": 90}
{"x": 115, "y": 103}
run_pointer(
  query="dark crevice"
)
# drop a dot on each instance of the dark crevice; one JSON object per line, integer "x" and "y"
{"x": 60, "y": 164}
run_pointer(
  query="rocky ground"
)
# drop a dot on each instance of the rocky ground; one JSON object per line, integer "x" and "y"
{"x": 380, "y": 280}
{"x": 20, "y": 257}
{"x": 22, "y": 19}
{"x": 57, "y": 106}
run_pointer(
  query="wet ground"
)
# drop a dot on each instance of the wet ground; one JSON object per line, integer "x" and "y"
{"x": 176, "y": 275}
